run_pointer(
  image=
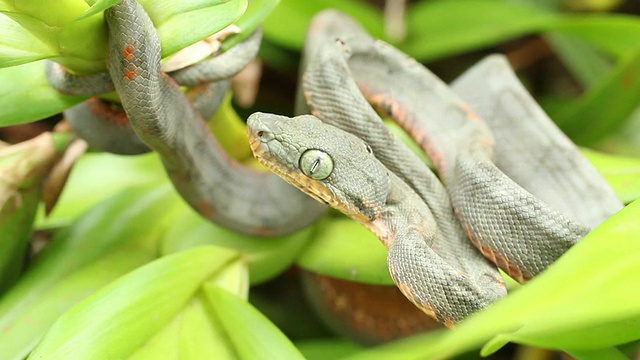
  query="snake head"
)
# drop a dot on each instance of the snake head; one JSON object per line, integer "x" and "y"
{"x": 323, "y": 161}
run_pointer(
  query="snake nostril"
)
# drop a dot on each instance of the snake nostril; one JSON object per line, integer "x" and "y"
{"x": 260, "y": 133}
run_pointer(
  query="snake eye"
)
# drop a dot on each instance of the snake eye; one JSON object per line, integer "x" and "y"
{"x": 316, "y": 164}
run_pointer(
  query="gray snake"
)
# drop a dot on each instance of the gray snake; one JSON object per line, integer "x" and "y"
{"x": 522, "y": 202}
{"x": 487, "y": 192}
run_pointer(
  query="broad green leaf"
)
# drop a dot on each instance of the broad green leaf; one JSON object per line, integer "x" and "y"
{"x": 345, "y": 249}
{"x": 267, "y": 257}
{"x": 252, "y": 334}
{"x": 615, "y": 33}
{"x": 288, "y": 23}
{"x": 195, "y": 332}
{"x": 438, "y": 29}
{"x": 121, "y": 317}
{"x": 257, "y": 12}
{"x": 587, "y": 65}
{"x": 97, "y": 176}
{"x": 202, "y": 19}
{"x": 606, "y": 105}
{"x": 444, "y": 28}
{"x": 113, "y": 238}
{"x": 320, "y": 349}
{"x": 18, "y": 46}
{"x": 584, "y": 302}
{"x": 622, "y": 173}
{"x": 25, "y": 95}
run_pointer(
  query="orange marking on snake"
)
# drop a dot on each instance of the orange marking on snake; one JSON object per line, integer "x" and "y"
{"x": 131, "y": 74}
{"x": 495, "y": 257}
{"x": 394, "y": 109}
{"x": 128, "y": 51}
{"x": 204, "y": 208}
{"x": 471, "y": 115}
{"x": 426, "y": 308}
{"x": 109, "y": 111}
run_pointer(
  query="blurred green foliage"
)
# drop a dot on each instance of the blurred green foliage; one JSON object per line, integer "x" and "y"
{"x": 136, "y": 267}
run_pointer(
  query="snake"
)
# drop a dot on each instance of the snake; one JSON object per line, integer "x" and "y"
{"x": 511, "y": 190}
{"x": 164, "y": 119}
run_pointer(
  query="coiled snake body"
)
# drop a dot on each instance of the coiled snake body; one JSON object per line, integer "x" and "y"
{"x": 164, "y": 119}
{"x": 522, "y": 204}
{"x": 488, "y": 192}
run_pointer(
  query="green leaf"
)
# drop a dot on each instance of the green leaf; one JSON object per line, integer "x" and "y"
{"x": 587, "y": 65}
{"x": 320, "y": 349}
{"x": 443, "y": 28}
{"x": 622, "y": 173}
{"x": 97, "y": 176}
{"x": 438, "y": 29}
{"x": 584, "y": 302}
{"x": 113, "y": 238}
{"x": 202, "y": 19}
{"x": 18, "y": 46}
{"x": 615, "y": 33}
{"x": 121, "y": 317}
{"x": 345, "y": 249}
{"x": 252, "y": 334}
{"x": 25, "y": 95}
{"x": 195, "y": 332}
{"x": 257, "y": 12}
{"x": 606, "y": 105}
{"x": 288, "y": 23}
{"x": 267, "y": 257}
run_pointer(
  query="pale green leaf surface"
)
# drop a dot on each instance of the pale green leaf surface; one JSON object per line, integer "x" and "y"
{"x": 201, "y": 336}
{"x": 180, "y": 30}
{"x": 194, "y": 332}
{"x": 60, "y": 296}
{"x": 251, "y": 333}
{"x": 558, "y": 308}
{"x": 98, "y": 7}
{"x": 25, "y": 95}
{"x": 96, "y": 176}
{"x": 119, "y": 318}
{"x": 109, "y": 240}
{"x": 345, "y": 249}
{"x": 18, "y": 46}
{"x": 267, "y": 257}
{"x": 164, "y": 344}
{"x": 622, "y": 173}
